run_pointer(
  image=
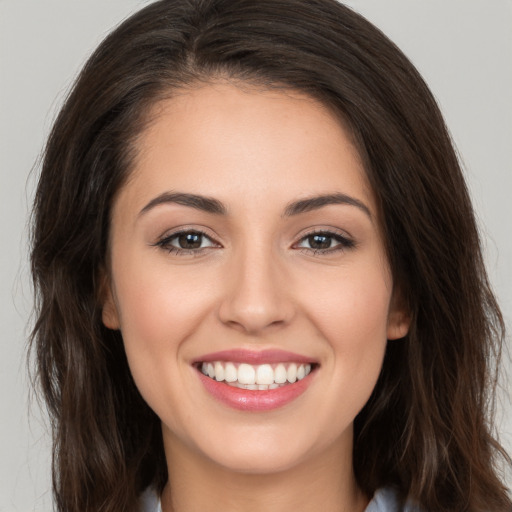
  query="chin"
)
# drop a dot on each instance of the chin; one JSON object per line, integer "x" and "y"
{"x": 258, "y": 462}
{"x": 259, "y": 452}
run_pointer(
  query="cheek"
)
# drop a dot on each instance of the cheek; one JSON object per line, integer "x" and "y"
{"x": 350, "y": 315}
{"x": 352, "y": 308}
{"x": 155, "y": 300}
{"x": 158, "y": 310}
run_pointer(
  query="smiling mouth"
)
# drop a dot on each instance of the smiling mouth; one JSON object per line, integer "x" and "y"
{"x": 261, "y": 377}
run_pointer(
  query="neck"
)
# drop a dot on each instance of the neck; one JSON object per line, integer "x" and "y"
{"x": 196, "y": 483}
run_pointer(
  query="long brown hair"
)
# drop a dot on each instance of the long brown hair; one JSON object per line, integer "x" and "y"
{"x": 427, "y": 428}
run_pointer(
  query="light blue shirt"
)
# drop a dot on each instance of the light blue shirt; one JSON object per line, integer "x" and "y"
{"x": 384, "y": 500}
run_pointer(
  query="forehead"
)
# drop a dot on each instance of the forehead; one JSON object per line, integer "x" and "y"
{"x": 230, "y": 142}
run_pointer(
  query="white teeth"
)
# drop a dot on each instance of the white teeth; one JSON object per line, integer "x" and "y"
{"x": 265, "y": 374}
{"x": 258, "y": 377}
{"x": 219, "y": 371}
{"x": 291, "y": 374}
{"x": 246, "y": 374}
{"x": 280, "y": 374}
{"x": 259, "y": 387}
{"x": 230, "y": 373}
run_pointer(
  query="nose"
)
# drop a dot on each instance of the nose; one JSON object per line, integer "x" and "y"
{"x": 255, "y": 295}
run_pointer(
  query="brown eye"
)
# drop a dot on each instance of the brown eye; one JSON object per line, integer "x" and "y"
{"x": 319, "y": 241}
{"x": 189, "y": 240}
{"x": 186, "y": 241}
{"x": 325, "y": 242}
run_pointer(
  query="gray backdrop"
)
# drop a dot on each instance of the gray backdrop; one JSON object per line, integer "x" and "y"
{"x": 462, "y": 47}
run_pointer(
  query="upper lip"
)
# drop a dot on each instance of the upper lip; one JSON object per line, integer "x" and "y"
{"x": 254, "y": 357}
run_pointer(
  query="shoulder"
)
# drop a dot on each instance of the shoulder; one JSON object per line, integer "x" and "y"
{"x": 387, "y": 500}
{"x": 149, "y": 501}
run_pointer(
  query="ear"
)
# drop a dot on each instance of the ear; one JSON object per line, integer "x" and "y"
{"x": 109, "y": 312}
{"x": 399, "y": 318}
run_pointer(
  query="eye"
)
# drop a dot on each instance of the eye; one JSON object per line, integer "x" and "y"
{"x": 324, "y": 242}
{"x": 186, "y": 242}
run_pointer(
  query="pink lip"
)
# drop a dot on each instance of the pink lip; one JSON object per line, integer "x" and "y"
{"x": 252, "y": 400}
{"x": 254, "y": 357}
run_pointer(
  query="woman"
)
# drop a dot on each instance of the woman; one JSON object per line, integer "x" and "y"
{"x": 260, "y": 284}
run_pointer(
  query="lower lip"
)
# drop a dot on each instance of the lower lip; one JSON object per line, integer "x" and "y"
{"x": 252, "y": 400}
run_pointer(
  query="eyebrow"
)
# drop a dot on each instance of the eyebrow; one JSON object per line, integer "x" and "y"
{"x": 214, "y": 206}
{"x": 316, "y": 202}
{"x": 203, "y": 203}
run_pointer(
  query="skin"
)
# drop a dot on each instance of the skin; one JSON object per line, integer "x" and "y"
{"x": 256, "y": 283}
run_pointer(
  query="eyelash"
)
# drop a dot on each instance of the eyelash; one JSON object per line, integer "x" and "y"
{"x": 165, "y": 243}
{"x": 344, "y": 243}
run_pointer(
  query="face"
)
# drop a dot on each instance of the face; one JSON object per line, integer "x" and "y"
{"x": 246, "y": 246}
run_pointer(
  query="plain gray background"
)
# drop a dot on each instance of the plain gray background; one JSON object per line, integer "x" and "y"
{"x": 463, "y": 48}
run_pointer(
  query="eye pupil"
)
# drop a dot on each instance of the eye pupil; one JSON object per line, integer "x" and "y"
{"x": 319, "y": 241}
{"x": 190, "y": 240}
